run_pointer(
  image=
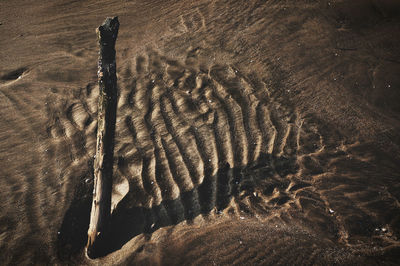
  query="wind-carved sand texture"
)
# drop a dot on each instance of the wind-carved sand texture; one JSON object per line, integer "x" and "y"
{"x": 247, "y": 132}
{"x": 196, "y": 142}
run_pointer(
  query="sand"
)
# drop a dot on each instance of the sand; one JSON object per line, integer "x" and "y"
{"x": 248, "y": 132}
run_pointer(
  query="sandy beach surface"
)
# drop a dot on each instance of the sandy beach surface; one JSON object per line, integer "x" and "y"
{"x": 247, "y": 132}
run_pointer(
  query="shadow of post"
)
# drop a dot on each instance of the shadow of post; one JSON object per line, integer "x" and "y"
{"x": 128, "y": 221}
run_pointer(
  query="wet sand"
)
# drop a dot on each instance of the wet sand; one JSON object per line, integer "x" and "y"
{"x": 254, "y": 132}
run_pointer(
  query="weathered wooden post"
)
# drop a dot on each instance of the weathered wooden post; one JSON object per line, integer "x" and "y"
{"x": 107, "y": 109}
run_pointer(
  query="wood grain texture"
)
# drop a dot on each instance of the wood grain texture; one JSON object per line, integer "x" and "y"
{"x": 103, "y": 164}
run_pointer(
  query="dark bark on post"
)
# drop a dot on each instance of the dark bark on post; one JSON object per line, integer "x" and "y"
{"x": 107, "y": 109}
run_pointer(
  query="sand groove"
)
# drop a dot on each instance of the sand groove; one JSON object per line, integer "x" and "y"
{"x": 259, "y": 133}
{"x": 191, "y": 141}
{"x": 188, "y": 140}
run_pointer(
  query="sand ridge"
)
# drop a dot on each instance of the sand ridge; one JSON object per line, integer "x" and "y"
{"x": 207, "y": 155}
{"x": 232, "y": 119}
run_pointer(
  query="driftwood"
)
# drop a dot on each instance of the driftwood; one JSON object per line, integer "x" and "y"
{"x": 103, "y": 164}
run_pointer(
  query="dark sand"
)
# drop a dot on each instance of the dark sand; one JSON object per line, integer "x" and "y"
{"x": 248, "y": 132}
